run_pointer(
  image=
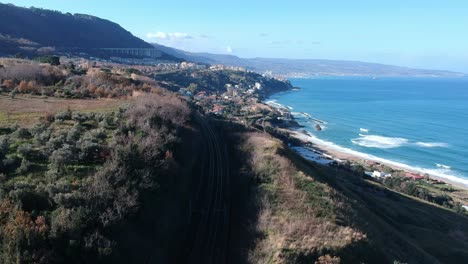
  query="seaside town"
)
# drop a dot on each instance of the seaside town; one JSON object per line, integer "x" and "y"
{"x": 243, "y": 98}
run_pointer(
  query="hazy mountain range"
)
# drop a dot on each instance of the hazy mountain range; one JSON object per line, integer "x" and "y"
{"x": 305, "y": 67}
{"x": 30, "y": 30}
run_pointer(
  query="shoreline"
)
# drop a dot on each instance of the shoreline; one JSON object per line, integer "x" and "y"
{"x": 336, "y": 154}
{"x": 328, "y": 150}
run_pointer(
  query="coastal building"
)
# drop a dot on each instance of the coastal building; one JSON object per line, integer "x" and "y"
{"x": 379, "y": 174}
{"x": 414, "y": 176}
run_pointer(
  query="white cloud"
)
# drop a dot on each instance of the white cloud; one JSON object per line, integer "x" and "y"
{"x": 160, "y": 35}
{"x": 228, "y": 49}
{"x": 168, "y": 36}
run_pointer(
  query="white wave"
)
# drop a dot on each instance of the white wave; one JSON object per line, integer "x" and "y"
{"x": 365, "y": 130}
{"x": 443, "y": 166}
{"x": 290, "y": 108}
{"x": 442, "y": 173}
{"x": 432, "y": 144}
{"x": 275, "y": 104}
{"x": 373, "y": 141}
{"x": 298, "y": 114}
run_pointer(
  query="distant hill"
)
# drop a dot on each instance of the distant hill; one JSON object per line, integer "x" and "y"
{"x": 52, "y": 28}
{"x": 306, "y": 67}
{"x": 33, "y": 31}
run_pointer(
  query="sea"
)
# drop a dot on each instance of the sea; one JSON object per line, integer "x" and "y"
{"x": 416, "y": 123}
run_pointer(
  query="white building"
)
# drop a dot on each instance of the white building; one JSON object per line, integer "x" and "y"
{"x": 379, "y": 174}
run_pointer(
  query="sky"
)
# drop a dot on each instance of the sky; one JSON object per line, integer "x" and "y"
{"x": 430, "y": 34}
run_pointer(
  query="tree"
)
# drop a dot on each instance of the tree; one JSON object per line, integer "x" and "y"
{"x": 9, "y": 84}
{"x": 25, "y": 166}
{"x": 359, "y": 170}
{"x": 4, "y": 146}
{"x": 61, "y": 157}
{"x": 23, "y": 87}
{"x": 13, "y": 93}
{"x": 458, "y": 208}
{"x": 192, "y": 88}
{"x": 19, "y": 55}
{"x": 52, "y": 60}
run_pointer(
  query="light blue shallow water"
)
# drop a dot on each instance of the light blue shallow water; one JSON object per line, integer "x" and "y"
{"x": 419, "y": 122}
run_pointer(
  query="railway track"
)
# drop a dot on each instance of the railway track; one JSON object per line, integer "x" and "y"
{"x": 212, "y": 231}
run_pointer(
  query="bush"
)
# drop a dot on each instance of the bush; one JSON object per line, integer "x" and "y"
{"x": 50, "y": 118}
{"x": 21, "y": 133}
{"x": 61, "y": 157}
{"x": 10, "y": 164}
{"x": 4, "y": 146}
{"x": 80, "y": 117}
{"x": 68, "y": 222}
{"x": 25, "y": 150}
{"x": 74, "y": 133}
{"x": 61, "y": 116}
{"x": 2, "y": 179}
{"x": 89, "y": 150}
{"x": 43, "y": 137}
{"x": 52, "y": 60}
{"x": 24, "y": 167}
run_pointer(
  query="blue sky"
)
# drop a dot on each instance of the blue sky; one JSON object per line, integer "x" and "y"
{"x": 424, "y": 34}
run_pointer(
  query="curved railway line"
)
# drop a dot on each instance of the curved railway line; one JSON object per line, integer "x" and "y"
{"x": 212, "y": 230}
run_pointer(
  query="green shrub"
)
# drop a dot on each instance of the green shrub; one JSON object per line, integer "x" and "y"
{"x": 43, "y": 137}
{"x": 62, "y": 157}
{"x": 68, "y": 222}
{"x": 24, "y": 167}
{"x": 61, "y": 116}
{"x": 25, "y": 150}
{"x": 89, "y": 150}
{"x": 2, "y": 179}
{"x": 21, "y": 133}
{"x": 55, "y": 142}
{"x": 52, "y": 60}
{"x": 10, "y": 164}
{"x": 74, "y": 133}
{"x": 4, "y": 146}
{"x": 80, "y": 117}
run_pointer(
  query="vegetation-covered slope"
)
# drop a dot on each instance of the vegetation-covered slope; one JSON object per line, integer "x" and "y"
{"x": 72, "y": 186}
{"x": 302, "y": 212}
{"x": 136, "y": 178}
{"x": 55, "y": 29}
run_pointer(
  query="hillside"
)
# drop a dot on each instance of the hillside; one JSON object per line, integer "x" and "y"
{"x": 305, "y": 67}
{"x": 103, "y": 165}
{"x": 32, "y": 31}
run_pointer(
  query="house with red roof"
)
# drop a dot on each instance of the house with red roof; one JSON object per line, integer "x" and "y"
{"x": 414, "y": 176}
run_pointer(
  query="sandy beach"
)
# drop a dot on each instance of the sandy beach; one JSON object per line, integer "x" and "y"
{"x": 341, "y": 154}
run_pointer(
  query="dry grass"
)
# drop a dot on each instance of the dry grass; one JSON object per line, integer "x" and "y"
{"x": 28, "y": 110}
{"x": 297, "y": 213}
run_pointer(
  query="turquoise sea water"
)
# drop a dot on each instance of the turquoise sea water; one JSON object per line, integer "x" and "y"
{"x": 421, "y": 123}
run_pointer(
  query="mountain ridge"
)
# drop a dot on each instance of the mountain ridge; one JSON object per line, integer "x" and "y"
{"x": 57, "y": 29}
{"x": 32, "y": 31}
{"x": 285, "y": 67}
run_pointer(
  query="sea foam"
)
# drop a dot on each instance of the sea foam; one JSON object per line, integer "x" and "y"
{"x": 443, "y": 166}
{"x": 432, "y": 144}
{"x": 374, "y": 141}
{"x": 440, "y": 172}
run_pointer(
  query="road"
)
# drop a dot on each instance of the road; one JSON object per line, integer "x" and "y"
{"x": 211, "y": 203}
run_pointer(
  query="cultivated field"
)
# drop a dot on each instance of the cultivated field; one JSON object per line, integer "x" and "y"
{"x": 27, "y": 110}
